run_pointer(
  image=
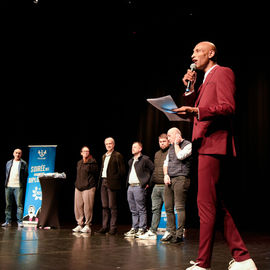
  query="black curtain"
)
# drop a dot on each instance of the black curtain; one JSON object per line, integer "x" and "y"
{"x": 74, "y": 74}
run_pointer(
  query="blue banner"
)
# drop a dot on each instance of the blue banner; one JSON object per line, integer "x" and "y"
{"x": 41, "y": 160}
{"x": 163, "y": 219}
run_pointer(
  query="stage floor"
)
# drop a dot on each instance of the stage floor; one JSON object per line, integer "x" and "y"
{"x": 30, "y": 248}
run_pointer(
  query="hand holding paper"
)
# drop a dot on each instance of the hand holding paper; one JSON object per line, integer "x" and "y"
{"x": 167, "y": 105}
{"x": 187, "y": 111}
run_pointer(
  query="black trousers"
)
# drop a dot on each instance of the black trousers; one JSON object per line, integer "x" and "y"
{"x": 175, "y": 197}
{"x": 109, "y": 206}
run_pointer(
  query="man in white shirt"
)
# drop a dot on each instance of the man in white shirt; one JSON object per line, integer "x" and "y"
{"x": 212, "y": 112}
{"x": 139, "y": 174}
{"x": 110, "y": 182}
{"x": 16, "y": 176}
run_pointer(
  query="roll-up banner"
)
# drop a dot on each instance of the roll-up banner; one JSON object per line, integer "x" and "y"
{"x": 163, "y": 219}
{"x": 41, "y": 160}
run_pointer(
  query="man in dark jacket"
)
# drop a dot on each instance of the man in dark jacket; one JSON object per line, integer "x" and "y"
{"x": 16, "y": 176}
{"x": 140, "y": 171}
{"x": 111, "y": 175}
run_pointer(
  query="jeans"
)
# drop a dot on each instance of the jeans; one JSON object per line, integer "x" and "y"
{"x": 157, "y": 198}
{"x": 137, "y": 205}
{"x": 18, "y": 195}
{"x": 175, "y": 196}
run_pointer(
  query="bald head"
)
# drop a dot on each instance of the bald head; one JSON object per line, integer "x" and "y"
{"x": 173, "y": 133}
{"x": 174, "y": 130}
{"x": 207, "y": 44}
{"x": 204, "y": 55}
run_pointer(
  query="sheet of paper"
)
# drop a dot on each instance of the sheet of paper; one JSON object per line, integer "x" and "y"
{"x": 166, "y": 104}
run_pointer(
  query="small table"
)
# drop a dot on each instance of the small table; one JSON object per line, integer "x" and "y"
{"x": 51, "y": 187}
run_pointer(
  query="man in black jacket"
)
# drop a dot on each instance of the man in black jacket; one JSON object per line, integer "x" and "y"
{"x": 140, "y": 171}
{"x": 111, "y": 175}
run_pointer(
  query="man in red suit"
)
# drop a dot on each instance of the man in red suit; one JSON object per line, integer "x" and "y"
{"x": 213, "y": 138}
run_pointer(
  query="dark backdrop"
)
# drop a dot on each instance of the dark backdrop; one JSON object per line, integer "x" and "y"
{"x": 73, "y": 74}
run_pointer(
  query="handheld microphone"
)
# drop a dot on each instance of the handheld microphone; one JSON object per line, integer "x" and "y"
{"x": 188, "y": 92}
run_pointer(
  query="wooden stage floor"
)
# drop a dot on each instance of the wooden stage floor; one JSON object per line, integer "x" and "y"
{"x": 30, "y": 248}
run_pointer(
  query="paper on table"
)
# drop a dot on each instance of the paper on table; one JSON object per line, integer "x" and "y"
{"x": 166, "y": 104}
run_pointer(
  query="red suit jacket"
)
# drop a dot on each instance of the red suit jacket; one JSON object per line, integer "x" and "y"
{"x": 212, "y": 131}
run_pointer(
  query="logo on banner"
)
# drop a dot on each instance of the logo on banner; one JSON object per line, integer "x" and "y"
{"x": 37, "y": 193}
{"x": 42, "y": 154}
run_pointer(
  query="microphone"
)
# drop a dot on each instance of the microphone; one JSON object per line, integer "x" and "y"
{"x": 188, "y": 92}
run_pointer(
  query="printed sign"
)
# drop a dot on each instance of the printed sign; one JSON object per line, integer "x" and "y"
{"x": 41, "y": 160}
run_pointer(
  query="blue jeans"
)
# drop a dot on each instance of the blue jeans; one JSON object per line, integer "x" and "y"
{"x": 157, "y": 198}
{"x": 18, "y": 195}
{"x": 137, "y": 206}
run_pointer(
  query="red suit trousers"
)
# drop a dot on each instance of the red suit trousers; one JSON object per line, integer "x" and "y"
{"x": 208, "y": 201}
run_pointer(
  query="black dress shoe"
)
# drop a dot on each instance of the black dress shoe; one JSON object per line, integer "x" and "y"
{"x": 112, "y": 232}
{"x": 102, "y": 231}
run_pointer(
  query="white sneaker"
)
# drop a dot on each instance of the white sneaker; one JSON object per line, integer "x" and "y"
{"x": 196, "y": 267}
{"x": 148, "y": 235}
{"x": 165, "y": 235}
{"x": 139, "y": 233}
{"x": 20, "y": 224}
{"x": 77, "y": 229}
{"x": 86, "y": 229}
{"x": 130, "y": 233}
{"x": 244, "y": 265}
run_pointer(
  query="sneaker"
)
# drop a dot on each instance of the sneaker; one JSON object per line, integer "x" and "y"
{"x": 244, "y": 265}
{"x": 176, "y": 240}
{"x": 6, "y": 224}
{"x": 20, "y": 224}
{"x": 86, "y": 229}
{"x": 139, "y": 232}
{"x": 167, "y": 237}
{"x": 77, "y": 229}
{"x": 196, "y": 267}
{"x": 130, "y": 233}
{"x": 148, "y": 235}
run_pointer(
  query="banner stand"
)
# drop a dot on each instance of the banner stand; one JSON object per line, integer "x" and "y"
{"x": 163, "y": 220}
{"x": 41, "y": 160}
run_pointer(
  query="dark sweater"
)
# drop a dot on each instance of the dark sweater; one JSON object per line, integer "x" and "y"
{"x": 158, "y": 175}
{"x": 86, "y": 174}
